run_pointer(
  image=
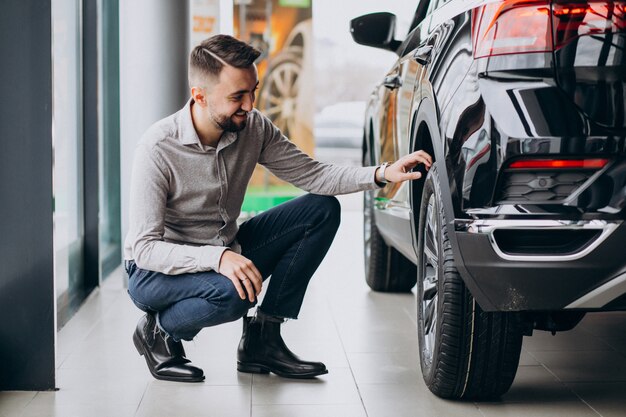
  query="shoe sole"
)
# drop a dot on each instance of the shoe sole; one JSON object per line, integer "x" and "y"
{"x": 140, "y": 348}
{"x": 253, "y": 368}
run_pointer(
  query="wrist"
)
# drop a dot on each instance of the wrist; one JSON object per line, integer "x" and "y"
{"x": 380, "y": 173}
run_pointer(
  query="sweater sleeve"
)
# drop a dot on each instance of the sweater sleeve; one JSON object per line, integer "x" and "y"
{"x": 285, "y": 160}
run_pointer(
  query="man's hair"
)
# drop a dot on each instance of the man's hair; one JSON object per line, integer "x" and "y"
{"x": 208, "y": 58}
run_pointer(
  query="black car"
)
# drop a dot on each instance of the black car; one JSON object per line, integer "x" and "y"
{"x": 519, "y": 224}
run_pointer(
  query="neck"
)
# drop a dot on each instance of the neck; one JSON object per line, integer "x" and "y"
{"x": 208, "y": 133}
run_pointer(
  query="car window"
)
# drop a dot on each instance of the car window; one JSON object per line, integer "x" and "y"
{"x": 432, "y": 6}
{"x": 420, "y": 13}
{"x": 411, "y": 42}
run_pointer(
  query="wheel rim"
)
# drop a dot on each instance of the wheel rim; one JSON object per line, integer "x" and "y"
{"x": 367, "y": 227}
{"x": 430, "y": 278}
{"x": 280, "y": 96}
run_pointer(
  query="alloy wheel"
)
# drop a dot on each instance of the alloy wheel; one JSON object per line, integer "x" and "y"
{"x": 430, "y": 278}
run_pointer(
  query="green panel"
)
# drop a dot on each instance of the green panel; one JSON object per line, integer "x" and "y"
{"x": 295, "y": 3}
{"x": 258, "y": 199}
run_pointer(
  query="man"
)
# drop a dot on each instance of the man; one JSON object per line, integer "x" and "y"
{"x": 190, "y": 266}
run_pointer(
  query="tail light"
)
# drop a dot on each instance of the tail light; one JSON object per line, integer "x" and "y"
{"x": 526, "y": 26}
{"x": 595, "y": 163}
{"x": 572, "y": 20}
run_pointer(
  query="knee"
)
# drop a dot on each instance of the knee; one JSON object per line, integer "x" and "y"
{"x": 328, "y": 208}
{"x": 234, "y": 307}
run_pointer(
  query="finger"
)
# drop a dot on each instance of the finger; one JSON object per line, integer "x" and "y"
{"x": 257, "y": 278}
{"x": 416, "y": 175}
{"x": 416, "y": 158}
{"x": 426, "y": 156}
{"x": 251, "y": 272}
{"x": 237, "y": 284}
{"x": 247, "y": 283}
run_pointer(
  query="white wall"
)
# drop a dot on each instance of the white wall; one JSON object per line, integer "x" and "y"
{"x": 153, "y": 73}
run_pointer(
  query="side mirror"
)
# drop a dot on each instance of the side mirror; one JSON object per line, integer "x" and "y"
{"x": 376, "y": 30}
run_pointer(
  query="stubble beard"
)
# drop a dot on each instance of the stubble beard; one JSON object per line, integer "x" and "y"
{"x": 227, "y": 124}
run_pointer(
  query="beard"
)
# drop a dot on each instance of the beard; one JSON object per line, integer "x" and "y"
{"x": 228, "y": 124}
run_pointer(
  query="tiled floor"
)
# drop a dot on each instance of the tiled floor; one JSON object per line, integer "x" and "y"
{"x": 367, "y": 339}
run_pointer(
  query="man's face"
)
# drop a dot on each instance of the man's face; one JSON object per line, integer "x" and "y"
{"x": 232, "y": 97}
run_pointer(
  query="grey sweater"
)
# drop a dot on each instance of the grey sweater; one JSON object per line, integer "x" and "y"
{"x": 185, "y": 198}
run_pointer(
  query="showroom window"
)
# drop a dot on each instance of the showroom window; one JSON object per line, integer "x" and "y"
{"x": 67, "y": 139}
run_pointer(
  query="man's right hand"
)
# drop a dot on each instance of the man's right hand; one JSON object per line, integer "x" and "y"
{"x": 242, "y": 272}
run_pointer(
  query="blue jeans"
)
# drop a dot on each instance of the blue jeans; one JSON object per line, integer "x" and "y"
{"x": 287, "y": 242}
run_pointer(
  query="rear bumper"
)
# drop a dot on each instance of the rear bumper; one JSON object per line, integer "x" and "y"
{"x": 504, "y": 277}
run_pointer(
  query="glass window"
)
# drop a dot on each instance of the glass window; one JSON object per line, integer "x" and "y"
{"x": 67, "y": 143}
{"x": 110, "y": 202}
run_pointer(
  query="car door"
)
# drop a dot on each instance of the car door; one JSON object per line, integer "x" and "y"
{"x": 401, "y": 85}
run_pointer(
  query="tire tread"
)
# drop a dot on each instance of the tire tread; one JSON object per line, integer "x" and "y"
{"x": 477, "y": 353}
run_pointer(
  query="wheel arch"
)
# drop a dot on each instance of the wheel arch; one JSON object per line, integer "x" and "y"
{"x": 425, "y": 134}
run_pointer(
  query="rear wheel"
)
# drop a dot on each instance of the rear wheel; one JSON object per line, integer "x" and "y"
{"x": 386, "y": 269}
{"x": 465, "y": 353}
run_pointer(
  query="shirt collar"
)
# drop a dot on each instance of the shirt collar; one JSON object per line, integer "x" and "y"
{"x": 188, "y": 134}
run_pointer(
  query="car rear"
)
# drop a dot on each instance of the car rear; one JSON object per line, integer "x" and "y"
{"x": 541, "y": 224}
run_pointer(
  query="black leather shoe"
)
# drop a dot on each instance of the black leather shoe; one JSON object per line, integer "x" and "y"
{"x": 165, "y": 358}
{"x": 262, "y": 350}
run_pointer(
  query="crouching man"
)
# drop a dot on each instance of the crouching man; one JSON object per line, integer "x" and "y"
{"x": 190, "y": 265}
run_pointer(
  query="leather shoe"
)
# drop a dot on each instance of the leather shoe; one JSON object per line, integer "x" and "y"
{"x": 165, "y": 357}
{"x": 262, "y": 350}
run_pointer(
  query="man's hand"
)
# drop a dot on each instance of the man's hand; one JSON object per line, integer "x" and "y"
{"x": 399, "y": 171}
{"x": 242, "y": 272}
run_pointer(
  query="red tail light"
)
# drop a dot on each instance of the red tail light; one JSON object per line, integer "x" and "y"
{"x": 510, "y": 27}
{"x": 525, "y": 26}
{"x": 559, "y": 163}
{"x": 572, "y": 20}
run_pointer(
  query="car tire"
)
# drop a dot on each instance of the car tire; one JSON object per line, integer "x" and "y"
{"x": 465, "y": 353}
{"x": 386, "y": 269}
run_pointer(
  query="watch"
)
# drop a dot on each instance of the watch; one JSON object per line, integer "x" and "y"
{"x": 382, "y": 169}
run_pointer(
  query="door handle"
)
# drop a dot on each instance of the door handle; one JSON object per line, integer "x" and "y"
{"x": 422, "y": 55}
{"x": 392, "y": 81}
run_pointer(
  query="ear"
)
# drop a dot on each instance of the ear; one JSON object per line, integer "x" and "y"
{"x": 199, "y": 96}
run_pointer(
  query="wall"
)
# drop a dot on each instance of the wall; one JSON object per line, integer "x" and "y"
{"x": 27, "y": 311}
{"x": 153, "y": 73}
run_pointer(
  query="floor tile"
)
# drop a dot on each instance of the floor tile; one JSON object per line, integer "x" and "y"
{"x": 220, "y": 369}
{"x": 608, "y": 398}
{"x": 605, "y": 324}
{"x": 617, "y": 343}
{"x": 386, "y": 368}
{"x": 337, "y": 387}
{"x": 168, "y": 399}
{"x": 77, "y": 385}
{"x": 13, "y": 402}
{"x": 411, "y": 400}
{"x": 585, "y": 366}
{"x": 526, "y": 359}
{"x": 533, "y": 409}
{"x": 309, "y": 410}
{"x": 537, "y": 384}
{"x": 572, "y": 340}
{"x": 53, "y": 404}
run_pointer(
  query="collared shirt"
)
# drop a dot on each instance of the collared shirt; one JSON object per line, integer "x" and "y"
{"x": 185, "y": 197}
